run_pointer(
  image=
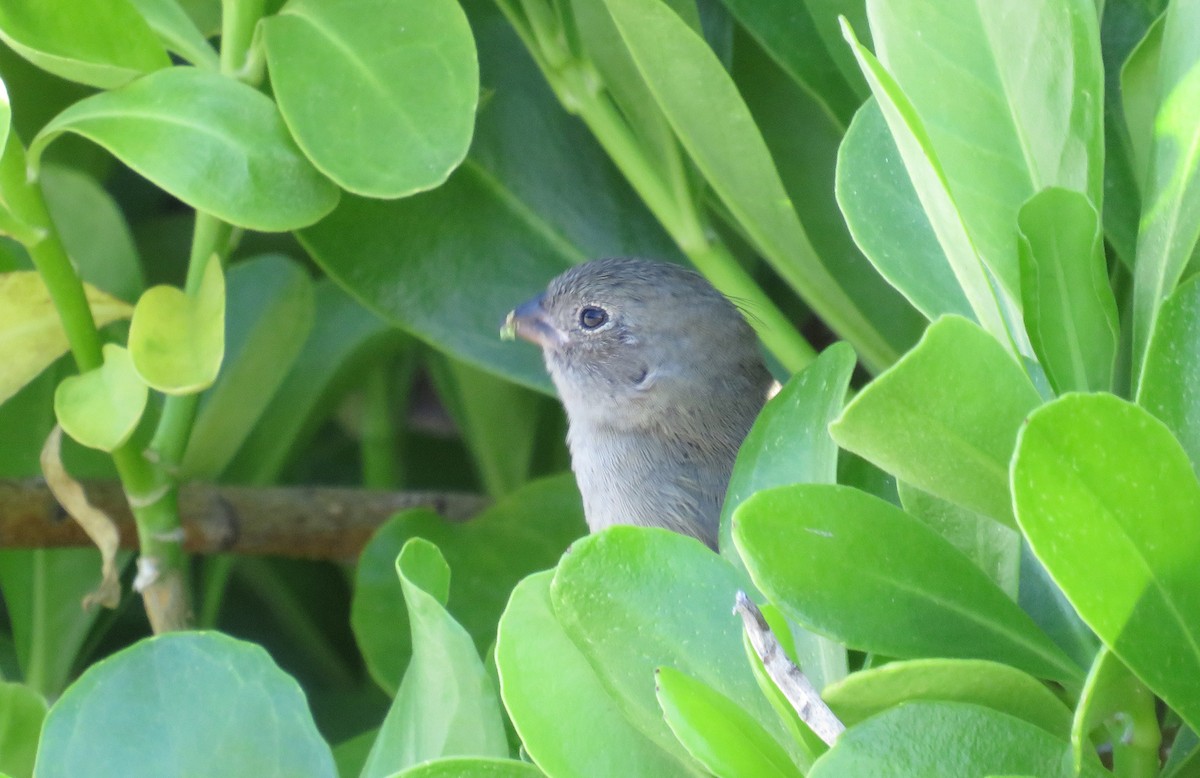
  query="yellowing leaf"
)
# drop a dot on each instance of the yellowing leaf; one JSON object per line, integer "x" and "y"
{"x": 31, "y": 334}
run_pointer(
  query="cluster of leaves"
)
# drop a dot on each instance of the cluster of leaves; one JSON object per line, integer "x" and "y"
{"x": 986, "y": 559}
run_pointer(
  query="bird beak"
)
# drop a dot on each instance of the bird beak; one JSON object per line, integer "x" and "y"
{"x": 530, "y": 322}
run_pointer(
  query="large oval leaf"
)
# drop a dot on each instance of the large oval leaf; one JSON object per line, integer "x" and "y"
{"x": 213, "y": 142}
{"x": 856, "y": 568}
{"x": 1108, "y": 501}
{"x": 102, "y": 43}
{"x": 569, "y": 722}
{"x": 406, "y": 73}
{"x": 154, "y": 705}
{"x": 671, "y": 605}
{"x": 949, "y": 740}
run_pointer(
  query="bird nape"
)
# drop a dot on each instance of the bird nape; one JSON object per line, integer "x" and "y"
{"x": 661, "y": 379}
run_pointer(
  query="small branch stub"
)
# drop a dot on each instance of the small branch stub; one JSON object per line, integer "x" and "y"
{"x": 787, "y": 676}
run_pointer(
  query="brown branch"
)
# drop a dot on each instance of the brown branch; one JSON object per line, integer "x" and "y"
{"x": 304, "y": 522}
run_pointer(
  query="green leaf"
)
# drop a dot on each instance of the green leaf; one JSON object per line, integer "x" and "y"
{"x": 1170, "y": 387}
{"x": 446, "y": 705}
{"x": 467, "y": 767}
{"x": 344, "y": 336}
{"x": 1171, "y": 203}
{"x": 1070, "y": 310}
{"x": 525, "y": 532}
{"x": 993, "y": 547}
{"x": 858, "y": 569}
{"x": 989, "y": 684}
{"x": 965, "y": 70}
{"x": 670, "y": 606}
{"x": 178, "y": 32}
{"x": 887, "y": 221}
{"x": 714, "y": 125}
{"x": 535, "y": 195}
{"x": 212, "y": 141}
{"x": 804, "y": 141}
{"x": 568, "y": 720}
{"x": 789, "y": 34}
{"x": 102, "y": 43}
{"x": 31, "y": 335}
{"x": 102, "y": 407}
{"x": 177, "y": 340}
{"x": 1110, "y": 504}
{"x": 789, "y": 442}
{"x": 929, "y": 179}
{"x": 1114, "y": 696}
{"x": 406, "y": 73}
{"x": 94, "y": 232}
{"x": 162, "y": 705}
{"x": 1139, "y": 98}
{"x": 948, "y": 740}
{"x": 945, "y": 417}
{"x": 5, "y": 115}
{"x": 718, "y": 732}
{"x": 21, "y": 713}
{"x": 269, "y": 310}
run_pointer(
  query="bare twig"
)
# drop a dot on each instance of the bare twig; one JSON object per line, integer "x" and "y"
{"x": 304, "y": 522}
{"x": 791, "y": 681}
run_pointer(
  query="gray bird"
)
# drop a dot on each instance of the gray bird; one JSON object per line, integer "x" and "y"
{"x": 661, "y": 378}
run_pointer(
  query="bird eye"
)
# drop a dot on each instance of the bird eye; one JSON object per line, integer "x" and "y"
{"x": 592, "y": 317}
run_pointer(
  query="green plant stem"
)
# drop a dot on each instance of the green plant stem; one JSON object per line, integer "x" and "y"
{"x": 380, "y": 465}
{"x": 153, "y": 506}
{"x": 179, "y": 411}
{"x": 1137, "y": 739}
{"x": 238, "y": 21}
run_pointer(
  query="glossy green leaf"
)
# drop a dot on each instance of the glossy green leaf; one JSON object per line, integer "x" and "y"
{"x": 1070, "y": 310}
{"x": 930, "y": 182}
{"x": 343, "y": 337}
{"x": 671, "y": 606}
{"x": 31, "y": 335}
{"x": 521, "y": 534}
{"x": 1139, "y": 98}
{"x": 826, "y": 15}
{"x": 268, "y": 313}
{"x": 858, "y": 569}
{"x": 212, "y": 141}
{"x": 1114, "y": 696}
{"x": 102, "y": 407}
{"x": 446, "y": 705}
{"x": 153, "y": 705}
{"x": 94, "y": 231}
{"x": 948, "y": 740}
{"x": 535, "y": 195}
{"x": 721, "y": 735}
{"x": 789, "y": 442}
{"x": 1170, "y": 386}
{"x": 887, "y": 221}
{"x": 993, "y": 547}
{"x": 569, "y": 722}
{"x": 1108, "y": 500}
{"x": 1184, "y": 761}
{"x": 102, "y": 43}
{"x": 945, "y": 417}
{"x": 988, "y": 684}
{"x": 405, "y": 71}
{"x": 177, "y": 31}
{"x": 21, "y": 713}
{"x": 177, "y": 340}
{"x": 788, "y": 32}
{"x": 1170, "y": 222}
{"x": 965, "y": 70}
{"x": 466, "y": 767}
{"x": 804, "y": 141}
{"x": 714, "y": 125}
